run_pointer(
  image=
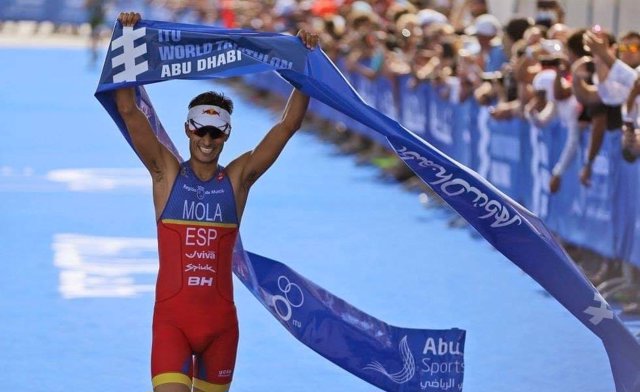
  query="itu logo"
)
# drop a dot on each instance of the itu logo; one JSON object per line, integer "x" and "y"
{"x": 292, "y": 298}
{"x": 130, "y": 54}
{"x": 408, "y": 365}
{"x": 600, "y": 312}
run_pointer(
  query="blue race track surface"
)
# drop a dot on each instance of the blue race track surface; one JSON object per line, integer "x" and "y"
{"x": 78, "y": 253}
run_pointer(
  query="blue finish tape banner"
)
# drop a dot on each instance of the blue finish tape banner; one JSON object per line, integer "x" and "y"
{"x": 158, "y": 51}
{"x": 431, "y": 360}
{"x": 389, "y": 357}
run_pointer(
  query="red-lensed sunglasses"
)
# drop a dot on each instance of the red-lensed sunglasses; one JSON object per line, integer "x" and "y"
{"x": 631, "y": 48}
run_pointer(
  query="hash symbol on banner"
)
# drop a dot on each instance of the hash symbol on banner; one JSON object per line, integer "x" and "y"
{"x": 598, "y": 313}
{"x": 128, "y": 57}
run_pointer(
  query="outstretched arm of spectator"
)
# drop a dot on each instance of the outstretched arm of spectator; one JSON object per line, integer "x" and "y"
{"x": 630, "y": 143}
{"x": 585, "y": 93}
{"x": 457, "y": 16}
{"x": 561, "y": 87}
{"x": 539, "y": 110}
{"x": 599, "y": 46}
{"x": 631, "y": 106}
{"x": 598, "y": 128}
{"x": 567, "y": 156}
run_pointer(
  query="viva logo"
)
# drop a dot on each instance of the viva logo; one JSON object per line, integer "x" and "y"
{"x": 202, "y": 254}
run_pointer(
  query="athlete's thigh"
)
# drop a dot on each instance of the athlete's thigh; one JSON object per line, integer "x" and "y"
{"x": 215, "y": 366}
{"x": 171, "y": 359}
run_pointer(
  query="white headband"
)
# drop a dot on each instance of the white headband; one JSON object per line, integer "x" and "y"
{"x": 209, "y": 116}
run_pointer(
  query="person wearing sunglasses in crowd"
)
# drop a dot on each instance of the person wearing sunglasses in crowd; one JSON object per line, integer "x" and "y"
{"x": 198, "y": 208}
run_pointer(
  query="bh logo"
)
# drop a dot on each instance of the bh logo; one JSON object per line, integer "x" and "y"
{"x": 129, "y": 55}
{"x": 292, "y": 298}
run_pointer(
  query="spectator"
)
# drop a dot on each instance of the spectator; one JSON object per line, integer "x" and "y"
{"x": 487, "y": 30}
{"x": 549, "y": 12}
{"x": 572, "y": 113}
{"x": 585, "y": 77}
{"x": 96, "y": 11}
{"x": 466, "y": 11}
{"x": 560, "y": 32}
{"x": 514, "y": 47}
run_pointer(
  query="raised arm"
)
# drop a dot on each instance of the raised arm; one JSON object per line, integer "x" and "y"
{"x": 160, "y": 162}
{"x": 155, "y": 156}
{"x": 247, "y": 168}
{"x": 585, "y": 93}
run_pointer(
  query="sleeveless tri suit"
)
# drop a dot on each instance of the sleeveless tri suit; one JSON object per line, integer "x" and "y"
{"x": 194, "y": 312}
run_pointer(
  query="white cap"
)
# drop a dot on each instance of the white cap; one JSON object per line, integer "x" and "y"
{"x": 552, "y": 46}
{"x": 429, "y": 16}
{"x": 485, "y": 25}
{"x": 209, "y": 116}
{"x": 361, "y": 6}
{"x": 543, "y": 81}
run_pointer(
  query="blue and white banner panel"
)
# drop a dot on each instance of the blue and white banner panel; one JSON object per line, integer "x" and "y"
{"x": 392, "y": 358}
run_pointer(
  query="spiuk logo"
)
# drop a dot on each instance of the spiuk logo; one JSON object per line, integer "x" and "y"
{"x": 211, "y": 112}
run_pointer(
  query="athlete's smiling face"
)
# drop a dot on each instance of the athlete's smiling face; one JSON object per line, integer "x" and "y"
{"x": 206, "y": 148}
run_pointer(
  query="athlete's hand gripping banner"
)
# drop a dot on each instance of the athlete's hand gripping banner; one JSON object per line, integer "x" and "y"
{"x": 391, "y": 358}
{"x": 158, "y": 51}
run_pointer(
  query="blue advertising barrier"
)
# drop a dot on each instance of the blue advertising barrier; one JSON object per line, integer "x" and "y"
{"x": 440, "y": 120}
{"x": 463, "y": 124}
{"x": 414, "y": 104}
{"x": 57, "y": 11}
{"x": 368, "y": 91}
{"x": 505, "y": 154}
{"x": 386, "y": 101}
{"x": 565, "y": 217}
{"x": 518, "y": 159}
{"x": 634, "y": 257}
{"x": 546, "y": 145}
{"x": 624, "y": 198}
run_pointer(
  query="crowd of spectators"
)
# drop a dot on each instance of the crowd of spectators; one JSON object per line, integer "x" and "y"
{"x": 531, "y": 67}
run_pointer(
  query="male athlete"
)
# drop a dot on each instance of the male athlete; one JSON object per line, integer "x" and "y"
{"x": 198, "y": 206}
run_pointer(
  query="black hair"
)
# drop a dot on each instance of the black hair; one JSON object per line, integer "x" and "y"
{"x": 611, "y": 38}
{"x": 212, "y": 98}
{"x": 575, "y": 43}
{"x": 516, "y": 27}
{"x": 630, "y": 35}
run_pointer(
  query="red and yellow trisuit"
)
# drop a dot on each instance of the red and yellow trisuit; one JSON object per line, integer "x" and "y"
{"x": 195, "y": 327}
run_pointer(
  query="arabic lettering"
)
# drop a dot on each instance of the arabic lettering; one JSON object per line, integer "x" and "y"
{"x": 451, "y": 186}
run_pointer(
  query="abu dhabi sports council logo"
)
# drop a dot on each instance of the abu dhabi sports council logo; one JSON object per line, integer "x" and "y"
{"x": 129, "y": 55}
{"x": 408, "y": 365}
{"x": 292, "y": 298}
